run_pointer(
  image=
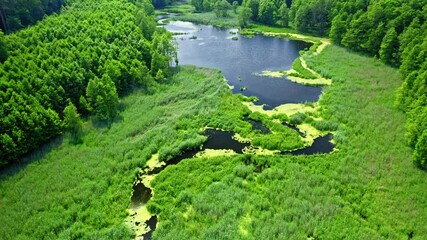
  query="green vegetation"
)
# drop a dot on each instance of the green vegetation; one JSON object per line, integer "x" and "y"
{"x": 368, "y": 189}
{"x": 176, "y": 8}
{"x": 393, "y": 31}
{"x": 209, "y": 18}
{"x": 78, "y": 186}
{"x": 301, "y": 71}
{"x": 84, "y": 56}
{"x": 67, "y": 190}
{"x": 16, "y": 14}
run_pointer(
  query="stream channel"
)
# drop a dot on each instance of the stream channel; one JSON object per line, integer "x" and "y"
{"x": 241, "y": 61}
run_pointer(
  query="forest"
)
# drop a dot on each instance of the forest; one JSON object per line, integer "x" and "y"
{"x": 85, "y": 64}
{"x": 91, "y": 91}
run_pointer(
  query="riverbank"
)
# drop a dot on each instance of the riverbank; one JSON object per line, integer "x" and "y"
{"x": 68, "y": 190}
{"x": 368, "y": 189}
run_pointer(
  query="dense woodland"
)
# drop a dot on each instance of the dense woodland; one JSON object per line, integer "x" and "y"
{"x": 85, "y": 57}
{"x": 16, "y": 14}
{"x": 394, "y": 31}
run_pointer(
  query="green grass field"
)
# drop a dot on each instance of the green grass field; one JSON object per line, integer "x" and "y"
{"x": 70, "y": 191}
{"x": 368, "y": 189}
{"x": 208, "y": 18}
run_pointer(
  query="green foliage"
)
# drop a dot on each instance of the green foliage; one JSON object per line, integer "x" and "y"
{"x": 3, "y": 50}
{"x": 107, "y": 43}
{"x": 16, "y": 14}
{"x": 283, "y": 15}
{"x": 72, "y": 121}
{"x": 244, "y": 16}
{"x": 221, "y": 8}
{"x": 266, "y": 12}
{"x": 301, "y": 71}
{"x": 420, "y": 153}
{"x": 297, "y": 118}
{"x": 235, "y": 5}
{"x": 311, "y": 15}
{"x": 254, "y": 6}
{"x": 102, "y": 97}
{"x": 210, "y": 18}
{"x": 83, "y": 191}
{"x": 324, "y": 125}
{"x": 389, "y": 48}
{"x": 394, "y": 31}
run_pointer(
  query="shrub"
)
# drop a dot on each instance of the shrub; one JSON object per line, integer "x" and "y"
{"x": 297, "y": 118}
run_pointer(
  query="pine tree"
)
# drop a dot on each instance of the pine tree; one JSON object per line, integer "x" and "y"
{"x": 102, "y": 97}
{"x": 244, "y": 15}
{"x": 419, "y": 156}
{"x": 390, "y": 48}
{"x": 72, "y": 120}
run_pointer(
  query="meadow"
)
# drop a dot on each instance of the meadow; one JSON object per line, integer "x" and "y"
{"x": 368, "y": 188}
{"x": 67, "y": 190}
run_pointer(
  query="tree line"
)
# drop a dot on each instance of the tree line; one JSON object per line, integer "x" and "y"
{"x": 76, "y": 62}
{"x": 395, "y": 31}
{"x": 16, "y": 14}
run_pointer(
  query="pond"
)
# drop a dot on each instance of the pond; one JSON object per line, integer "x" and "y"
{"x": 241, "y": 61}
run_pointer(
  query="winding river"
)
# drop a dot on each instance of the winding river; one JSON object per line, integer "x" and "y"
{"x": 241, "y": 61}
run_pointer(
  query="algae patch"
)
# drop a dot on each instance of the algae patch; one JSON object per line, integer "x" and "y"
{"x": 288, "y": 109}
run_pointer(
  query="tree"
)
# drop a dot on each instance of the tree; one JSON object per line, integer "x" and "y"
{"x": 375, "y": 36}
{"x": 266, "y": 12}
{"x": 419, "y": 157}
{"x": 245, "y": 15}
{"x": 235, "y": 5}
{"x": 254, "y": 6}
{"x": 356, "y": 34}
{"x": 302, "y": 18}
{"x": 3, "y": 51}
{"x": 146, "y": 23}
{"x": 102, "y": 97}
{"x": 198, "y": 5}
{"x": 221, "y": 7}
{"x": 72, "y": 120}
{"x": 283, "y": 15}
{"x": 338, "y": 28}
{"x": 390, "y": 48}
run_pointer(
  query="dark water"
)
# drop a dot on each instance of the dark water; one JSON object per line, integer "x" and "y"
{"x": 320, "y": 145}
{"x": 223, "y": 140}
{"x": 152, "y": 223}
{"x": 293, "y": 128}
{"x": 241, "y": 60}
{"x": 216, "y": 140}
{"x": 256, "y": 125}
{"x": 141, "y": 194}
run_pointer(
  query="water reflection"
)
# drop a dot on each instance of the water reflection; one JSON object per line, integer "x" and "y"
{"x": 241, "y": 61}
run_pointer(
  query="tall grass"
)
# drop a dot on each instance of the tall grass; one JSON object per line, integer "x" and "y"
{"x": 367, "y": 189}
{"x": 83, "y": 191}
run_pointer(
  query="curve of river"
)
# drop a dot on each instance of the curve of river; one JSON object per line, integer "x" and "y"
{"x": 241, "y": 61}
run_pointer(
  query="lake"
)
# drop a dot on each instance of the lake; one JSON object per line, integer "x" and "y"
{"x": 242, "y": 60}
